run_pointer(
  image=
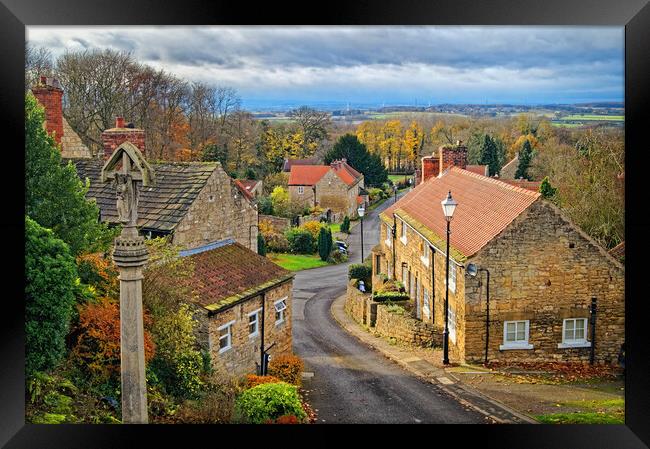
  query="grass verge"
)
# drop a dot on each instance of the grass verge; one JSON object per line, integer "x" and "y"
{"x": 610, "y": 411}
{"x": 296, "y": 262}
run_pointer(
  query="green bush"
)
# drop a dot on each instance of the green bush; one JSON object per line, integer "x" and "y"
{"x": 324, "y": 243}
{"x": 268, "y": 402}
{"x": 360, "y": 271}
{"x": 50, "y": 278}
{"x": 345, "y": 226}
{"x": 300, "y": 241}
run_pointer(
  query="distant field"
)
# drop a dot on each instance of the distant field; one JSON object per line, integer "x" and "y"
{"x": 398, "y": 114}
{"x": 587, "y": 117}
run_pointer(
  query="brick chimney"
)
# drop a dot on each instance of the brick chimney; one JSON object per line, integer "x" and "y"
{"x": 430, "y": 167}
{"x": 453, "y": 156}
{"x": 114, "y": 137}
{"x": 49, "y": 94}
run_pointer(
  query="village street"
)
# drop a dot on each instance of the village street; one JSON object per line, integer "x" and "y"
{"x": 351, "y": 383}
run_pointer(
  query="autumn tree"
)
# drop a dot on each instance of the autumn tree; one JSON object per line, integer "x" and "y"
{"x": 313, "y": 126}
{"x": 413, "y": 142}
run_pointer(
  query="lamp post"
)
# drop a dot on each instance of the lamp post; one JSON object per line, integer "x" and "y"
{"x": 473, "y": 270}
{"x": 448, "y": 207}
{"x": 361, "y": 211}
{"x": 395, "y": 192}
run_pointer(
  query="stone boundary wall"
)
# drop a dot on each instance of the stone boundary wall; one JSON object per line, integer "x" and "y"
{"x": 279, "y": 223}
{"x": 356, "y": 304}
{"x": 405, "y": 328}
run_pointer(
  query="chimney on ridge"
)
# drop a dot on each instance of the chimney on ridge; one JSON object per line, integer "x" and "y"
{"x": 453, "y": 156}
{"x": 49, "y": 94}
{"x": 430, "y": 167}
{"x": 114, "y": 137}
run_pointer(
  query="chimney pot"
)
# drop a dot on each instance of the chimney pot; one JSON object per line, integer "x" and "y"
{"x": 43, "y": 80}
{"x": 119, "y": 122}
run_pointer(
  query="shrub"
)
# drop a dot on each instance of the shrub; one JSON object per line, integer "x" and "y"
{"x": 269, "y": 402}
{"x": 360, "y": 271}
{"x": 50, "y": 275}
{"x": 277, "y": 243}
{"x": 280, "y": 201}
{"x": 253, "y": 381}
{"x": 265, "y": 205}
{"x": 337, "y": 257}
{"x": 324, "y": 243}
{"x": 97, "y": 347}
{"x": 99, "y": 272}
{"x": 345, "y": 226}
{"x": 261, "y": 245}
{"x": 313, "y": 227}
{"x": 300, "y": 241}
{"x": 284, "y": 419}
{"x": 287, "y": 368}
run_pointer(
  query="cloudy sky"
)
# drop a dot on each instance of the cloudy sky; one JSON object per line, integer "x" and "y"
{"x": 374, "y": 65}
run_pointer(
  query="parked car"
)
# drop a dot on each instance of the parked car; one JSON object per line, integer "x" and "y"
{"x": 341, "y": 246}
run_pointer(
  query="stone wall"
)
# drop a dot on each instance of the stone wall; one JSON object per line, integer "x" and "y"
{"x": 404, "y": 328}
{"x": 356, "y": 304}
{"x": 305, "y": 199}
{"x": 244, "y": 355}
{"x": 544, "y": 269}
{"x": 220, "y": 211}
{"x": 279, "y": 223}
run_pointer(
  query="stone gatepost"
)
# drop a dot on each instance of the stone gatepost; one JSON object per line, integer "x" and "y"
{"x": 127, "y": 169}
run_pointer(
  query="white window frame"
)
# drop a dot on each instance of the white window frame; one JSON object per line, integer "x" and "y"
{"x": 403, "y": 231}
{"x": 301, "y": 190}
{"x": 405, "y": 275}
{"x": 517, "y": 344}
{"x": 451, "y": 323}
{"x": 425, "y": 304}
{"x": 281, "y": 312}
{"x": 574, "y": 343}
{"x": 389, "y": 240}
{"x": 425, "y": 257}
{"x": 228, "y": 336}
{"x": 257, "y": 323}
{"x": 452, "y": 277}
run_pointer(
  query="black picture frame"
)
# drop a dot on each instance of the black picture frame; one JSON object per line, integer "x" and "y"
{"x": 16, "y": 14}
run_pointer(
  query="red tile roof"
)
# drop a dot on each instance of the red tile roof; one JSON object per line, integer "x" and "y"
{"x": 479, "y": 169}
{"x": 524, "y": 184}
{"x": 226, "y": 274}
{"x": 347, "y": 174}
{"x": 619, "y": 250}
{"x": 485, "y": 207}
{"x": 242, "y": 188}
{"x": 307, "y": 175}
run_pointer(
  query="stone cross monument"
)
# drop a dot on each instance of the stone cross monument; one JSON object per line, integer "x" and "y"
{"x": 127, "y": 168}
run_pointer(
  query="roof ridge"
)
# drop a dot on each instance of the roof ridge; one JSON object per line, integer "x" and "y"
{"x": 496, "y": 181}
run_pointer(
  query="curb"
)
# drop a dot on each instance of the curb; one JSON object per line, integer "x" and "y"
{"x": 449, "y": 389}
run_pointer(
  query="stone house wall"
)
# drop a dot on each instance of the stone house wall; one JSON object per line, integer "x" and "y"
{"x": 220, "y": 211}
{"x": 544, "y": 269}
{"x": 331, "y": 193}
{"x": 305, "y": 199}
{"x": 244, "y": 355}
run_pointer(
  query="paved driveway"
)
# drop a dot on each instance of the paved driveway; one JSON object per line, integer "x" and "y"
{"x": 352, "y": 383}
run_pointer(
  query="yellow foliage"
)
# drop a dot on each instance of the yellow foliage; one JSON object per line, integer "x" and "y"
{"x": 313, "y": 227}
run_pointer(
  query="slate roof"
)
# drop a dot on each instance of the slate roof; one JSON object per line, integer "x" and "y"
{"x": 227, "y": 272}
{"x": 485, "y": 207}
{"x": 160, "y": 207}
{"x": 288, "y": 163}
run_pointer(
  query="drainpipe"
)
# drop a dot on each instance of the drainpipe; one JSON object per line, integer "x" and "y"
{"x": 262, "y": 361}
{"x": 433, "y": 285}
{"x": 394, "y": 235}
{"x": 487, "y": 317}
{"x": 592, "y": 319}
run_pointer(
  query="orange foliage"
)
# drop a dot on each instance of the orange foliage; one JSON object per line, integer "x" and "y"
{"x": 100, "y": 272}
{"x": 284, "y": 419}
{"x": 253, "y": 381}
{"x": 98, "y": 339}
{"x": 267, "y": 228}
{"x": 287, "y": 367}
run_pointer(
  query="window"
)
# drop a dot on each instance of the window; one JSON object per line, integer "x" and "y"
{"x": 425, "y": 253}
{"x": 254, "y": 323}
{"x": 574, "y": 333}
{"x": 280, "y": 307}
{"x": 515, "y": 335}
{"x": 452, "y": 277}
{"x": 451, "y": 324}
{"x": 405, "y": 274}
{"x": 225, "y": 336}
{"x": 425, "y": 305}
{"x": 301, "y": 190}
{"x": 389, "y": 240}
{"x": 403, "y": 233}
{"x": 377, "y": 264}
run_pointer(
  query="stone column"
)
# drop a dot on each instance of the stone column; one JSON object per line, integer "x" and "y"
{"x": 130, "y": 255}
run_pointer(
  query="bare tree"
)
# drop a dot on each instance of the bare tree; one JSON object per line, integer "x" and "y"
{"x": 314, "y": 126}
{"x": 38, "y": 62}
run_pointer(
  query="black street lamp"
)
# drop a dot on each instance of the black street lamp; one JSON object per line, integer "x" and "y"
{"x": 395, "y": 191}
{"x": 448, "y": 207}
{"x": 473, "y": 270}
{"x": 361, "y": 211}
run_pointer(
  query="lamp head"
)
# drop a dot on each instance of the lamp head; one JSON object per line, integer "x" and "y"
{"x": 361, "y": 211}
{"x": 448, "y": 206}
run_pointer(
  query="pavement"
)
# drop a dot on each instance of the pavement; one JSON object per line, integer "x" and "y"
{"x": 424, "y": 369}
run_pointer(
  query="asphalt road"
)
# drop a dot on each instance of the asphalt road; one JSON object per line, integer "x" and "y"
{"x": 351, "y": 383}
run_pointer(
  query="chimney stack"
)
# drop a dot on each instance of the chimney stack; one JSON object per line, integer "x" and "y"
{"x": 114, "y": 137}
{"x": 453, "y": 156}
{"x": 49, "y": 94}
{"x": 430, "y": 167}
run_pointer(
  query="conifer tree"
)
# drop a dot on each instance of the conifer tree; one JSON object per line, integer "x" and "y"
{"x": 525, "y": 156}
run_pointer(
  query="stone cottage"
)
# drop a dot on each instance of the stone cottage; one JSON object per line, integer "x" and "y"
{"x": 243, "y": 305}
{"x": 337, "y": 186}
{"x": 543, "y": 272}
{"x": 194, "y": 202}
